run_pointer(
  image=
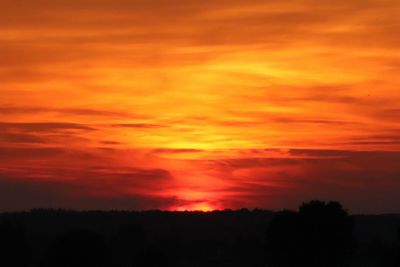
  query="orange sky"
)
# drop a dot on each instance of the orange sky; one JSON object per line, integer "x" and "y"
{"x": 193, "y": 104}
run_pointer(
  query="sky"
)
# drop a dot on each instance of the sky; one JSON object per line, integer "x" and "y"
{"x": 199, "y": 105}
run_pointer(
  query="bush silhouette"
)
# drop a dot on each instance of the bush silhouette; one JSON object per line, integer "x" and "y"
{"x": 319, "y": 234}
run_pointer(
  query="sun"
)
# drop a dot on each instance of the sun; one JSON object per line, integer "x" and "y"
{"x": 202, "y": 206}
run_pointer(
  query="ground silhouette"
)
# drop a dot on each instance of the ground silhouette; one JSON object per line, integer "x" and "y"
{"x": 78, "y": 248}
{"x": 14, "y": 250}
{"x": 318, "y": 234}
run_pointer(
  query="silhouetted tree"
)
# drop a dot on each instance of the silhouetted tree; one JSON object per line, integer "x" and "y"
{"x": 319, "y": 234}
{"x": 77, "y": 248}
{"x": 13, "y": 245}
{"x": 328, "y": 232}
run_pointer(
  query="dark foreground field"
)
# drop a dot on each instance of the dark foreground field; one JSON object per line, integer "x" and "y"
{"x": 319, "y": 234}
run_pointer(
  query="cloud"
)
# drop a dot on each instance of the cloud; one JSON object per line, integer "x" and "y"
{"x": 365, "y": 181}
{"x": 389, "y": 114}
{"x": 42, "y": 126}
{"x": 176, "y": 150}
{"x": 381, "y": 157}
{"x": 15, "y": 110}
{"x": 388, "y": 139}
{"x": 17, "y": 153}
{"x": 169, "y": 97}
{"x": 106, "y": 142}
{"x": 17, "y": 194}
{"x": 49, "y": 29}
{"x": 20, "y": 138}
{"x": 137, "y": 125}
{"x": 42, "y": 133}
{"x": 243, "y": 163}
{"x": 82, "y": 188}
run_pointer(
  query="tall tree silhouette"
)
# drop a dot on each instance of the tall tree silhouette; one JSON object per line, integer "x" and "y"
{"x": 13, "y": 245}
{"x": 319, "y": 234}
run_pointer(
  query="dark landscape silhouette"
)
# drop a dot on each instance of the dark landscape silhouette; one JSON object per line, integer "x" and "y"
{"x": 318, "y": 234}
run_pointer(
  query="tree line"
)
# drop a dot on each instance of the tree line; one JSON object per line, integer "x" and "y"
{"x": 317, "y": 234}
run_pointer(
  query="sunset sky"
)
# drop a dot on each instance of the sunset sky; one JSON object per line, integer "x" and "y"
{"x": 199, "y": 105}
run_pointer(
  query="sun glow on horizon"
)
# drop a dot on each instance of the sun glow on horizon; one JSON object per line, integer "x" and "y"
{"x": 202, "y": 206}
